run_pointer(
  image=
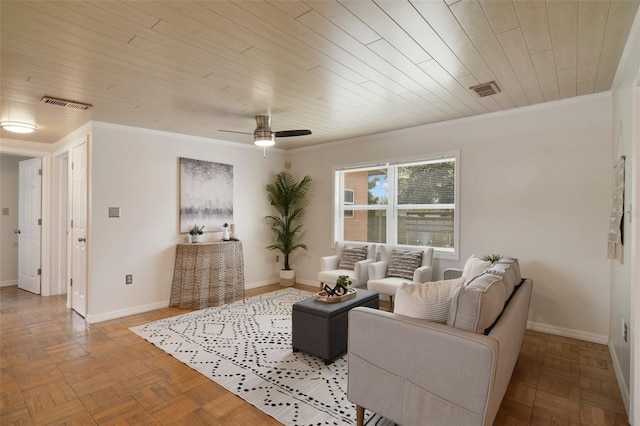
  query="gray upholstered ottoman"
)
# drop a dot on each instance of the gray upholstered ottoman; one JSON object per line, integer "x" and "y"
{"x": 320, "y": 329}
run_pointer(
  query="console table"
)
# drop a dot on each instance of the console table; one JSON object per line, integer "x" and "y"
{"x": 207, "y": 274}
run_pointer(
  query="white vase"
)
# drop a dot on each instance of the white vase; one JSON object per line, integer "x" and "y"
{"x": 225, "y": 234}
{"x": 287, "y": 277}
{"x": 233, "y": 231}
{"x": 189, "y": 238}
{"x": 197, "y": 238}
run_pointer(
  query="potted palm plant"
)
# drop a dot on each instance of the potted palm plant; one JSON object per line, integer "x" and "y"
{"x": 287, "y": 195}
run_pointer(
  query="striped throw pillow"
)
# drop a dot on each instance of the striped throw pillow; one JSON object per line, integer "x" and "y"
{"x": 403, "y": 263}
{"x": 351, "y": 256}
{"x": 429, "y": 301}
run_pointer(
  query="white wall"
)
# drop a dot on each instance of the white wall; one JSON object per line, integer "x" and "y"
{"x": 9, "y": 180}
{"x": 138, "y": 171}
{"x": 624, "y": 115}
{"x": 535, "y": 184}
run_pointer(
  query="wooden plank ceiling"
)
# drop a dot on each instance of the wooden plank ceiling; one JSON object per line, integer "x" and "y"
{"x": 338, "y": 68}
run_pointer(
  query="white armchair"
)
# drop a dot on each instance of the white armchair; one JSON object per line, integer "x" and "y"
{"x": 386, "y": 276}
{"x": 333, "y": 266}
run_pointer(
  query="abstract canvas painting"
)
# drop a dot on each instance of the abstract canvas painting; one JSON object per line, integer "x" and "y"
{"x": 206, "y": 194}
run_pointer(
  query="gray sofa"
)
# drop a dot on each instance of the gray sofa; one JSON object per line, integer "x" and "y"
{"x": 416, "y": 372}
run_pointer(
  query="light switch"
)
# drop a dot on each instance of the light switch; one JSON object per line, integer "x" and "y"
{"x": 114, "y": 211}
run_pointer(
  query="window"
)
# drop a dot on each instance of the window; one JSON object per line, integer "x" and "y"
{"x": 409, "y": 203}
{"x": 349, "y": 196}
{"x": 348, "y": 200}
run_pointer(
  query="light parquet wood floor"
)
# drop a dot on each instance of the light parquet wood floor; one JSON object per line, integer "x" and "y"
{"x": 56, "y": 369}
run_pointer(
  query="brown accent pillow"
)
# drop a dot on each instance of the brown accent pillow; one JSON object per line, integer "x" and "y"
{"x": 403, "y": 263}
{"x": 352, "y": 255}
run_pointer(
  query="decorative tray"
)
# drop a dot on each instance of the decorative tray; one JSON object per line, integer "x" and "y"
{"x": 325, "y": 298}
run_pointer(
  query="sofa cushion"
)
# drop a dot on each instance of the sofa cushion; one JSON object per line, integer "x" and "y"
{"x": 509, "y": 269}
{"x": 403, "y": 263}
{"x": 352, "y": 255}
{"x": 476, "y": 305}
{"x": 428, "y": 301}
{"x": 474, "y": 266}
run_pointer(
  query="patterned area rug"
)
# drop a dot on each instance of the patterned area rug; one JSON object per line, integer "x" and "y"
{"x": 246, "y": 347}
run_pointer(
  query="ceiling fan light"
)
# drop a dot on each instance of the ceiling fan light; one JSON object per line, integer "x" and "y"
{"x": 262, "y": 141}
{"x": 263, "y": 135}
{"x": 17, "y": 127}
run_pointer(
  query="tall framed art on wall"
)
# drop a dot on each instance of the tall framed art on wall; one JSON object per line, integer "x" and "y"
{"x": 206, "y": 194}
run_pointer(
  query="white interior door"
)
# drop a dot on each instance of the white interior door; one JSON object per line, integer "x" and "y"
{"x": 79, "y": 229}
{"x": 29, "y": 222}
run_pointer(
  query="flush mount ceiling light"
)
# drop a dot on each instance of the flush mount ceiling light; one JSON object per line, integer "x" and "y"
{"x": 17, "y": 127}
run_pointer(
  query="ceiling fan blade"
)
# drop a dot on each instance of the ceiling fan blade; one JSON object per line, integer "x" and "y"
{"x": 288, "y": 133}
{"x": 233, "y": 131}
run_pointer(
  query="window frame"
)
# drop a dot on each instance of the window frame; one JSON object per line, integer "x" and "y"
{"x": 392, "y": 206}
{"x": 349, "y": 203}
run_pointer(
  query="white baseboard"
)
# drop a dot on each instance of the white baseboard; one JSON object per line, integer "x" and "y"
{"x": 258, "y": 284}
{"x": 567, "y": 332}
{"x": 8, "y": 283}
{"x": 92, "y": 319}
{"x": 623, "y": 387}
{"x": 312, "y": 283}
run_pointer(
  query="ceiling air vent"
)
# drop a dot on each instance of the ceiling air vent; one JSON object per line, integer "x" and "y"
{"x": 486, "y": 89}
{"x": 64, "y": 103}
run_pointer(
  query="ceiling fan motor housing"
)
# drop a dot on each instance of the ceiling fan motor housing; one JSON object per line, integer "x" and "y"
{"x": 263, "y": 135}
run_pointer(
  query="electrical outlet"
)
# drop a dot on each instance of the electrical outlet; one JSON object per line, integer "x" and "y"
{"x": 128, "y": 279}
{"x": 277, "y": 258}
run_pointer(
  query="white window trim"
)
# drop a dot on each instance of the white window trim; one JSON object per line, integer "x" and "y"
{"x": 353, "y": 195}
{"x": 349, "y": 203}
{"x": 337, "y": 225}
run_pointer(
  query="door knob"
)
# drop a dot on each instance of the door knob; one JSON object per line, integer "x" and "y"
{"x": 16, "y": 231}
{"x": 82, "y": 240}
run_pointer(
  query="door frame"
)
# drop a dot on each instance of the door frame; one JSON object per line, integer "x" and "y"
{"x": 86, "y": 139}
{"x": 634, "y": 397}
{"x": 59, "y": 223}
{"x": 45, "y": 199}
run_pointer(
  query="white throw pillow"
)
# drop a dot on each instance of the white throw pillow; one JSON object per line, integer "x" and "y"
{"x": 474, "y": 267}
{"x": 429, "y": 301}
{"x": 477, "y": 305}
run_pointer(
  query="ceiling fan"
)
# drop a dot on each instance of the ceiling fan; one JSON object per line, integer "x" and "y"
{"x": 264, "y": 136}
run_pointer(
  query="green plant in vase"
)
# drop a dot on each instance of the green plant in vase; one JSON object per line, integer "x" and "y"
{"x": 344, "y": 280}
{"x": 197, "y": 230}
{"x": 196, "y": 233}
{"x": 342, "y": 284}
{"x": 287, "y": 195}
